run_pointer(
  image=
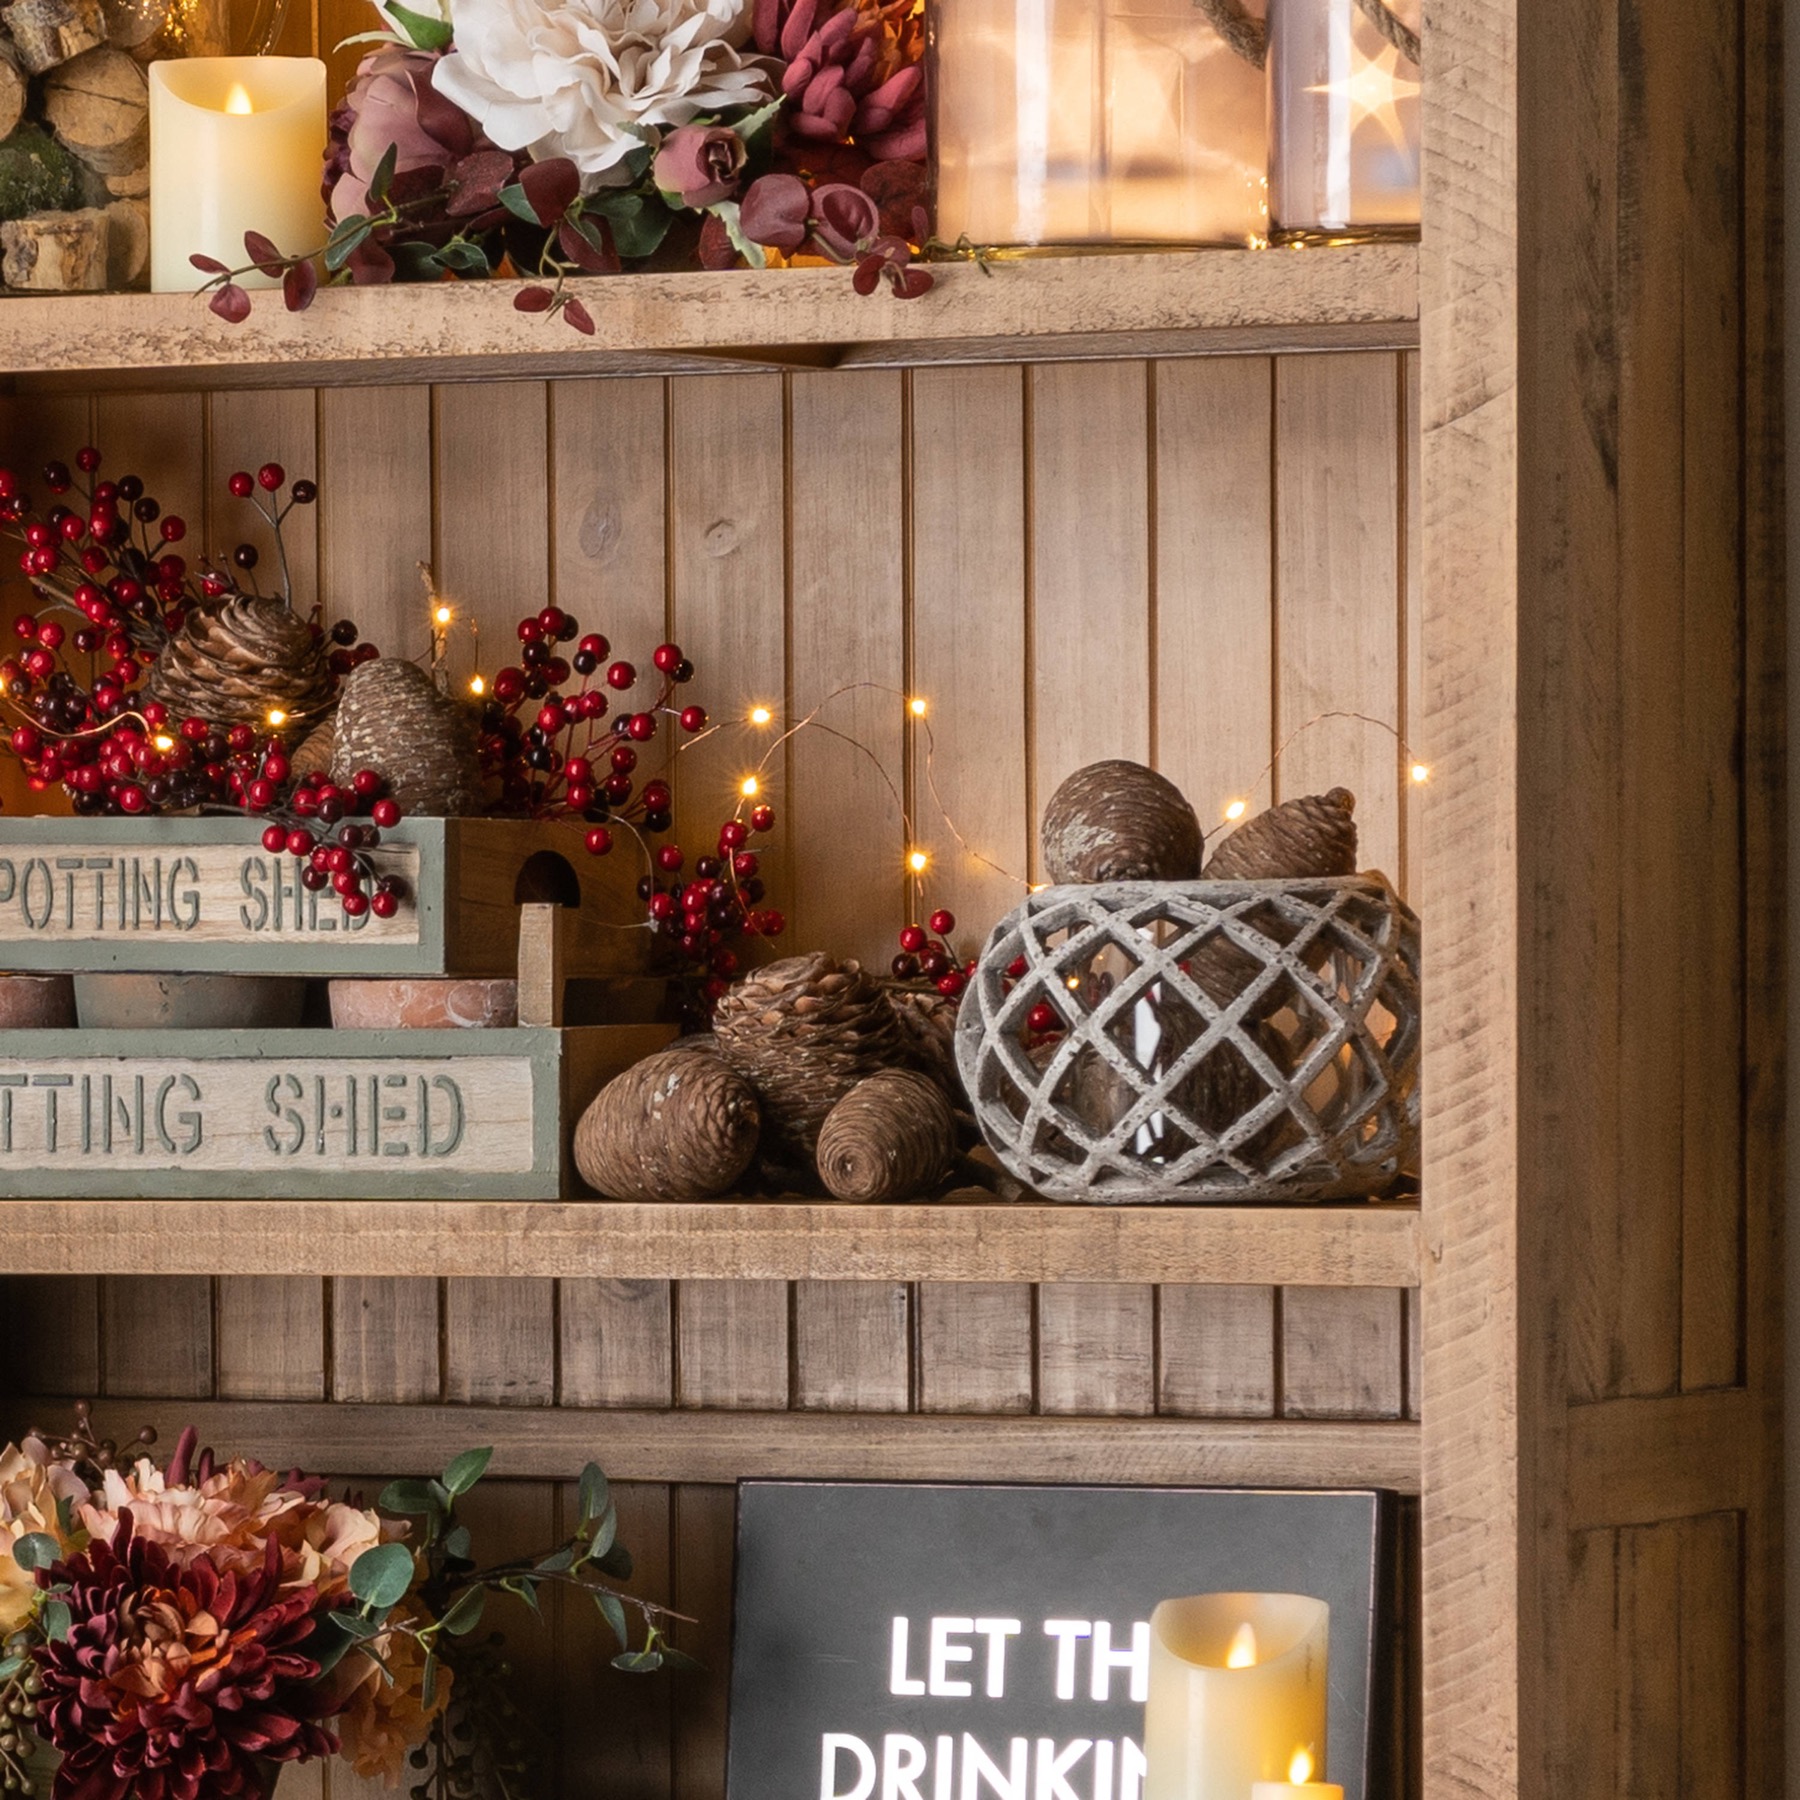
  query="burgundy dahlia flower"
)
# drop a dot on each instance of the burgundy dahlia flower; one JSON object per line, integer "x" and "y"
{"x": 177, "y": 1683}
{"x": 852, "y": 71}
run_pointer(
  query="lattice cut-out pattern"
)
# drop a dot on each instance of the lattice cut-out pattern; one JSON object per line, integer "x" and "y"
{"x": 1254, "y": 1040}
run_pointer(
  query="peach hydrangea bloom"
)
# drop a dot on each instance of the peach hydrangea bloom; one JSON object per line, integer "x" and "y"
{"x": 30, "y": 1487}
{"x": 379, "y": 1724}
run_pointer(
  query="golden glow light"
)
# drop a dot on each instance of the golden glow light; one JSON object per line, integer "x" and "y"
{"x": 916, "y": 706}
{"x": 442, "y": 615}
{"x": 1421, "y": 772}
{"x": 747, "y": 787}
{"x": 238, "y": 100}
{"x": 1300, "y": 1769}
{"x": 277, "y": 717}
{"x": 917, "y": 861}
{"x": 1375, "y": 90}
{"x": 760, "y": 715}
{"x": 477, "y": 686}
{"x": 1242, "y": 1654}
{"x": 1236, "y": 810}
{"x": 163, "y": 742}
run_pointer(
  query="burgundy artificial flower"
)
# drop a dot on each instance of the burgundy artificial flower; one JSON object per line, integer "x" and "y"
{"x": 843, "y": 219}
{"x": 173, "y": 1683}
{"x": 700, "y": 164}
{"x": 775, "y": 212}
{"x": 853, "y": 70}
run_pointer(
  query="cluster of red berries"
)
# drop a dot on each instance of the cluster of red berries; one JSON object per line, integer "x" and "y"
{"x": 564, "y": 740}
{"x": 321, "y": 826}
{"x": 926, "y": 953}
{"x": 109, "y": 561}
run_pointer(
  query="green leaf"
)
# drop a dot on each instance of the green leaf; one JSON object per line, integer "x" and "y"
{"x": 367, "y": 37}
{"x": 605, "y": 1534}
{"x": 458, "y": 1543}
{"x": 381, "y": 1577}
{"x": 410, "y": 1497}
{"x": 383, "y": 178}
{"x": 593, "y": 1494}
{"x": 354, "y": 1625}
{"x": 638, "y": 228}
{"x": 56, "y": 1620}
{"x": 638, "y": 1662}
{"x": 426, "y": 34}
{"x": 758, "y": 121}
{"x": 728, "y": 213}
{"x": 345, "y": 240}
{"x": 464, "y": 1612}
{"x": 514, "y": 200}
{"x": 613, "y": 1611}
{"x": 329, "y": 1652}
{"x": 558, "y": 1562}
{"x": 526, "y": 1589}
{"x": 36, "y": 1550}
{"x": 616, "y": 1563}
{"x": 429, "y": 1684}
{"x": 465, "y": 1470}
{"x": 679, "y": 1659}
{"x": 10, "y": 1666}
{"x": 65, "y": 1514}
{"x": 461, "y": 257}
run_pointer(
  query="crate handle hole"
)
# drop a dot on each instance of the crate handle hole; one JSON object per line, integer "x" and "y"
{"x": 547, "y": 879}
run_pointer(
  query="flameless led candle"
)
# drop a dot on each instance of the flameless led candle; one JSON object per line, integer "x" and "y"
{"x": 1236, "y": 1682}
{"x": 236, "y": 144}
{"x": 1299, "y": 1784}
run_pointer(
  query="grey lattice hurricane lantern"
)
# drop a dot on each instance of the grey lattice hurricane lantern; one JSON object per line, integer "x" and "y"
{"x": 1214, "y": 1040}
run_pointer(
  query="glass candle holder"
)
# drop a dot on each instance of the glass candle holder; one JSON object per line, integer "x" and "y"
{"x": 1093, "y": 122}
{"x": 161, "y": 29}
{"x": 1343, "y": 123}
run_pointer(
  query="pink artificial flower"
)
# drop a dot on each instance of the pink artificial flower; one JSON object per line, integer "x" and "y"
{"x": 392, "y": 102}
{"x": 700, "y": 164}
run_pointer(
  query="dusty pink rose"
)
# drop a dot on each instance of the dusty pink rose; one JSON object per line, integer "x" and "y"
{"x": 775, "y": 212}
{"x": 700, "y": 164}
{"x": 392, "y": 102}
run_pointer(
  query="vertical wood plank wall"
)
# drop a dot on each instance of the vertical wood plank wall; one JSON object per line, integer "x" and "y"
{"x": 1183, "y": 561}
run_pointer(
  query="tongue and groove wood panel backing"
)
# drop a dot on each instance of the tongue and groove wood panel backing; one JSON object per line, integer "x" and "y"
{"x": 1184, "y": 561}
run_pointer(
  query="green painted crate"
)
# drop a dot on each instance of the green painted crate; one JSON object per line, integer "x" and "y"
{"x": 300, "y": 1114}
{"x": 201, "y": 894}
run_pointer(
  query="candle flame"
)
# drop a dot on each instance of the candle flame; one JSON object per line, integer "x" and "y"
{"x": 1242, "y": 1654}
{"x": 1300, "y": 1770}
{"x": 238, "y": 100}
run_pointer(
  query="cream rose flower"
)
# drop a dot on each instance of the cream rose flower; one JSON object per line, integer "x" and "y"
{"x": 594, "y": 80}
{"x": 30, "y": 1487}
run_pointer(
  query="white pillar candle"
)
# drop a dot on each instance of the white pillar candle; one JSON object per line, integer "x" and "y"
{"x": 237, "y": 143}
{"x": 1237, "y": 1681}
{"x": 1299, "y": 1784}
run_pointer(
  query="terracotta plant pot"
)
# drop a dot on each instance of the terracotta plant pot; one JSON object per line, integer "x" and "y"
{"x": 406, "y": 1004}
{"x": 36, "y": 1002}
{"x": 112, "y": 1002}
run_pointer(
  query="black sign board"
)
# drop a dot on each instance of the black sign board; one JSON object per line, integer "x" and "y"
{"x": 895, "y": 1641}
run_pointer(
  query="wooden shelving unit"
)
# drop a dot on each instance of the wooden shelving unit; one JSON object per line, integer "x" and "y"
{"x": 966, "y": 1237}
{"x": 1067, "y": 308}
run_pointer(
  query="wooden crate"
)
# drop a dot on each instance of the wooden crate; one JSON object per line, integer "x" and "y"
{"x": 245, "y": 1114}
{"x": 202, "y": 894}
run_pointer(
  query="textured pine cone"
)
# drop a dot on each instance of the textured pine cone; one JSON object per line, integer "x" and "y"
{"x": 1295, "y": 841}
{"x": 676, "y": 1126}
{"x": 892, "y": 1137}
{"x": 239, "y": 658}
{"x": 393, "y": 718}
{"x": 1119, "y": 821}
{"x": 928, "y": 1027}
{"x": 803, "y": 1032}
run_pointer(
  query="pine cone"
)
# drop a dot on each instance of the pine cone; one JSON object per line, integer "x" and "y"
{"x": 928, "y": 1027}
{"x": 393, "y": 718}
{"x": 1119, "y": 821}
{"x": 892, "y": 1137}
{"x": 675, "y": 1126}
{"x": 803, "y": 1032}
{"x": 315, "y": 749}
{"x": 239, "y": 658}
{"x": 1295, "y": 841}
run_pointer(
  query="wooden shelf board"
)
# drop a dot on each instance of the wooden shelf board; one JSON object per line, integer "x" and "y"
{"x": 1082, "y": 307}
{"x": 968, "y": 1237}
{"x": 551, "y": 1443}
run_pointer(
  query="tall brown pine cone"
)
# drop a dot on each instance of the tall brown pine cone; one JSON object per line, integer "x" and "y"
{"x": 803, "y": 1032}
{"x": 676, "y": 1126}
{"x": 393, "y": 718}
{"x": 892, "y": 1137}
{"x": 928, "y": 1028}
{"x": 1119, "y": 821}
{"x": 1308, "y": 837}
{"x": 239, "y": 658}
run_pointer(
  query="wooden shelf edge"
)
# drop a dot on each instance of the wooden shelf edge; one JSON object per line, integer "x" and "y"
{"x": 963, "y": 1238}
{"x": 1022, "y": 309}
{"x": 552, "y": 1443}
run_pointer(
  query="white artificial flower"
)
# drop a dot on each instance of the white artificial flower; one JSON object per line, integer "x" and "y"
{"x": 594, "y": 80}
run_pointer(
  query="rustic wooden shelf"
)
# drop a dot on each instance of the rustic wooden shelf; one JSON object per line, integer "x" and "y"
{"x": 1049, "y": 308}
{"x": 545, "y": 1443}
{"x": 969, "y": 1237}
